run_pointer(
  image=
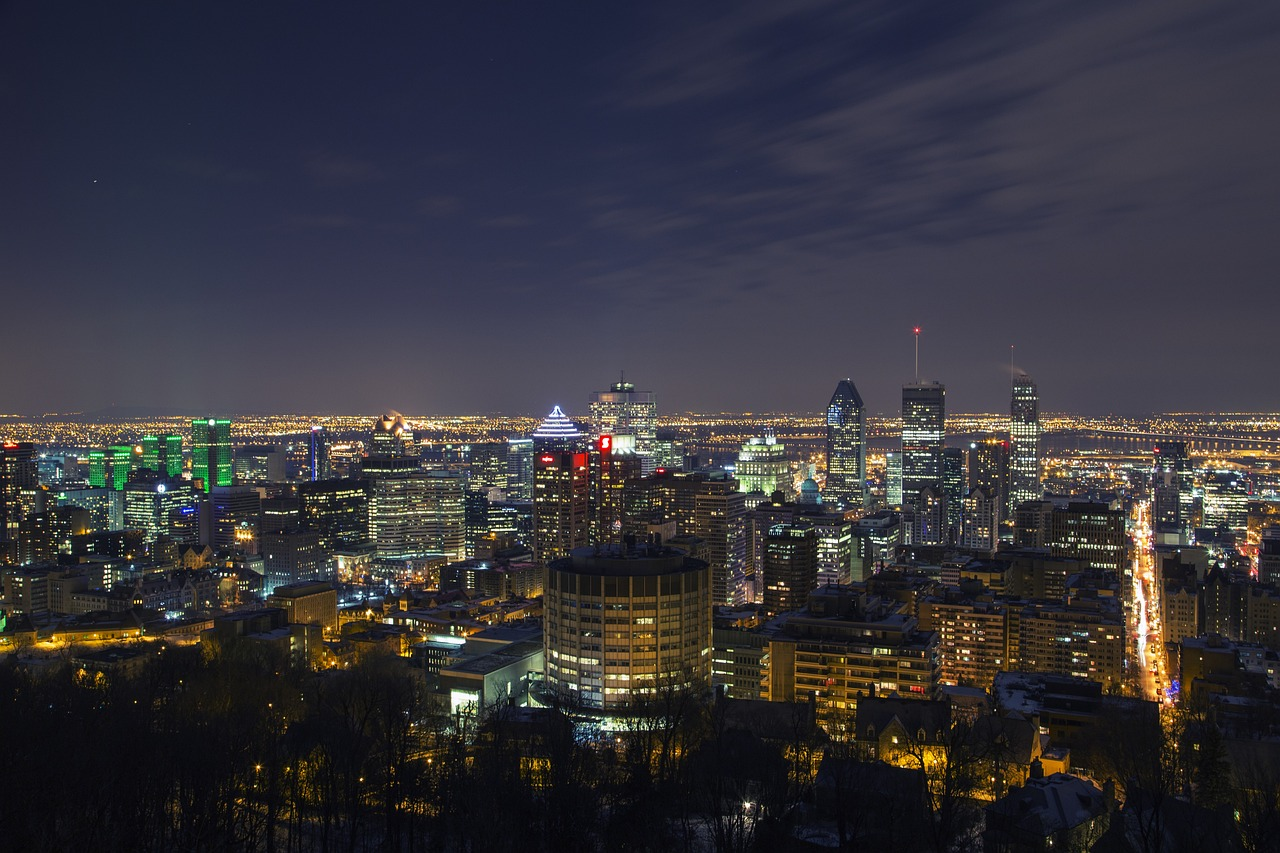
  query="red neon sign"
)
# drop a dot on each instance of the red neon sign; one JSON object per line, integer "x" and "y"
{"x": 546, "y": 459}
{"x": 606, "y": 442}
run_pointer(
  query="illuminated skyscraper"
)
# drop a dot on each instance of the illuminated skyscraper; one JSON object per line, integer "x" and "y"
{"x": 846, "y": 448}
{"x": 1172, "y": 481}
{"x": 211, "y": 452}
{"x": 658, "y": 598}
{"x": 953, "y": 490}
{"x": 622, "y": 410}
{"x": 763, "y": 466}
{"x": 520, "y": 469}
{"x": 1024, "y": 441}
{"x": 110, "y": 468}
{"x": 392, "y": 437}
{"x": 790, "y": 567}
{"x": 336, "y": 509}
{"x": 163, "y": 454}
{"x": 989, "y": 469}
{"x": 924, "y": 406}
{"x": 19, "y": 481}
{"x": 319, "y": 465}
{"x": 893, "y": 478}
{"x": 398, "y": 516}
{"x": 446, "y": 513}
{"x": 561, "y": 495}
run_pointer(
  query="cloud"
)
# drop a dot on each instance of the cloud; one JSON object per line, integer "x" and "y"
{"x": 439, "y": 205}
{"x": 329, "y": 170}
{"x": 211, "y": 170}
{"x": 879, "y": 127}
{"x": 319, "y": 222}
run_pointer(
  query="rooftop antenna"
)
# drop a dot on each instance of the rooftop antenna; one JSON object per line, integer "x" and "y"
{"x": 1012, "y": 370}
{"x": 916, "y": 331}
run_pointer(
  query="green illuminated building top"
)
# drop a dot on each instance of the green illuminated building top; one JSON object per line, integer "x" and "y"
{"x": 109, "y": 469}
{"x": 163, "y": 454}
{"x": 211, "y": 451}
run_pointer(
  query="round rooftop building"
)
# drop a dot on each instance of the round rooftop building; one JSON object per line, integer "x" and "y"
{"x": 622, "y": 624}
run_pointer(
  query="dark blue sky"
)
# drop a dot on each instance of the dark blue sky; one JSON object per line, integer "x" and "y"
{"x": 459, "y": 207}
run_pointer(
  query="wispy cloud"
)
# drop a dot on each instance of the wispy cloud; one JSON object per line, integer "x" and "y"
{"x": 330, "y": 170}
{"x": 910, "y": 125}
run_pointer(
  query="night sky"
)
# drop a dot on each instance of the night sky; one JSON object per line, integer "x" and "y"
{"x": 478, "y": 207}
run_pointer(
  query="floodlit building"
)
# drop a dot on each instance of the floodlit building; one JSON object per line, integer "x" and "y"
{"x": 622, "y": 624}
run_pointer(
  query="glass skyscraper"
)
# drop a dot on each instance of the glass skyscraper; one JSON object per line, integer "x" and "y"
{"x": 163, "y": 454}
{"x": 1024, "y": 442}
{"x": 924, "y": 406}
{"x": 319, "y": 465}
{"x": 211, "y": 451}
{"x": 846, "y": 448}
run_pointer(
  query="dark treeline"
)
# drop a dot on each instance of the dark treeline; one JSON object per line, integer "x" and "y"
{"x": 217, "y": 748}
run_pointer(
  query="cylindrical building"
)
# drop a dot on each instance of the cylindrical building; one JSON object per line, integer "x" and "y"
{"x": 622, "y": 624}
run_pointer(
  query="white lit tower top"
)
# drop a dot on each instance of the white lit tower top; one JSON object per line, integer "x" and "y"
{"x": 557, "y": 431}
{"x": 622, "y": 410}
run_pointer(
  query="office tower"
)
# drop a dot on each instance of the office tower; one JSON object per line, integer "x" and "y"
{"x": 1171, "y": 486}
{"x": 622, "y": 410}
{"x": 445, "y": 504}
{"x": 1024, "y": 442}
{"x": 1226, "y": 498}
{"x": 989, "y": 470}
{"x": 520, "y": 469}
{"x": 953, "y": 490}
{"x": 790, "y": 567}
{"x": 338, "y": 510}
{"x": 43, "y": 536}
{"x": 619, "y": 465}
{"x": 1093, "y": 532}
{"x": 980, "y": 524}
{"x": 893, "y": 478}
{"x": 487, "y": 465}
{"x": 392, "y": 438}
{"x": 475, "y": 512}
{"x": 319, "y": 465}
{"x": 234, "y": 518}
{"x": 290, "y": 557}
{"x": 669, "y": 452}
{"x": 19, "y": 481}
{"x": 832, "y": 527}
{"x": 110, "y": 468}
{"x": 283, "y": 512}
{"x": 211, "y": 461}
{"x": 150, "y": 504}
{"x": 876, "y": 538}
{"x": 561, "y": 495}
{"x": 259, "y": 464}
{"x": 923, "y": 428}
{"x": 846, "y": 448}
{"x": 398, "y": 523}
{"x": 163, "y": 454}
{"x": 929, "y": 517}
{"x": 763, "y": 466}
{"x": 656, "y": 602}
{"x": 710, "y": 508}
{"x": 105, "y": 506}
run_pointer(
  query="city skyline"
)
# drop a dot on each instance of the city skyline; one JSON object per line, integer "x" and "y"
{"x": 537, "y": 199}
